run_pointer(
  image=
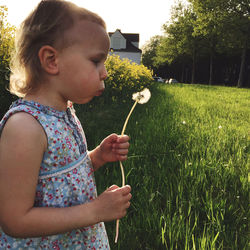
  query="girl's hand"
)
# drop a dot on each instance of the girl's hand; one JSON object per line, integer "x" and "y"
{"x": 113, "y": 203}
{"x": 112, "y": 148}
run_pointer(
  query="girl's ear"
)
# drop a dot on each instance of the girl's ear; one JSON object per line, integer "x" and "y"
{"x": 48, "y": 57}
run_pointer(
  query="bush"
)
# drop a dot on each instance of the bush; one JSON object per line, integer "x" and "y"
{"x": 125, "y": 78}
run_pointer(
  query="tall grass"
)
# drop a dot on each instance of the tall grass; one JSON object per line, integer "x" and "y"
{"x": 188, "y": 167}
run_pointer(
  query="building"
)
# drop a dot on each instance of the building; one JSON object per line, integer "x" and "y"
{"x": 126, "y": 45}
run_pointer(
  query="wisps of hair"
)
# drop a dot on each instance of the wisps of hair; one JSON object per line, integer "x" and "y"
{"x": 44, "y": 26}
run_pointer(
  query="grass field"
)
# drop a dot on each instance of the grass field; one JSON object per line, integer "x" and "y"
{"x": 188, "y": 167}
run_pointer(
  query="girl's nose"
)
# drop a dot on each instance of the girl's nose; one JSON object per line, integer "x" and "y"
{"x": 104, "y": 73}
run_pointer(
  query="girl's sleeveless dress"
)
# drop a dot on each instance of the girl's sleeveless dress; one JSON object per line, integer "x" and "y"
{"x": 65, "y": 179}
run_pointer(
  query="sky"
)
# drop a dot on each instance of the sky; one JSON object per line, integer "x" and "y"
{"x": 145, "y": 17}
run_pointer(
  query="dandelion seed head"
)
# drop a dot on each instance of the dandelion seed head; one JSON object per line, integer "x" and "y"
{"x": 220, "y": 127}
{"x": 183, "y": 122}
{"x": 142, "y": 96}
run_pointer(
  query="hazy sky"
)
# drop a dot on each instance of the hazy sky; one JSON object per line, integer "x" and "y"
{"x": 145, "y": 17}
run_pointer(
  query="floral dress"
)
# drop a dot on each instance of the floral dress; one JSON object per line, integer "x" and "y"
{"x": 65, "y": 179}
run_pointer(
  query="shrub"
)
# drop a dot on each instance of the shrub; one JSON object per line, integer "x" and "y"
{"x": 125, "y": 78}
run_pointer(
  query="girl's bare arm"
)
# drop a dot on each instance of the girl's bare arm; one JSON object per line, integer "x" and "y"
{"x": 22, "y": 145}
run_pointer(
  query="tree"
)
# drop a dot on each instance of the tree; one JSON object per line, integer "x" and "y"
{"x": 187, "y": 44}
{"x": 6, "y": 40}
{"x": 179, "y": 43}
{"x": 149, "y": 52}
{"x": 209, "y": 25}
{"x": 207, "y": 40}
{"x": 6, "y": 46}
{"x": 226, "y": 25}
{"x": 239, "y": 23}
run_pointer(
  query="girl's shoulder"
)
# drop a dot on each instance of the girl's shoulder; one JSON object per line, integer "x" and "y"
{"x": 21, "y": 126}
{"x": 18, "y": 116}
{"x": 19, "y": 122}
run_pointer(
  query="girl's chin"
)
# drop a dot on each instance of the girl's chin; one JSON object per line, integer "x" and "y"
{"x": 84, "y": 101}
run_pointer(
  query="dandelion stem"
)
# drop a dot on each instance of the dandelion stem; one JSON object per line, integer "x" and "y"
{"x": 123, "y": 175}
{"x": 123, "y": 130}
{"x": 121, "y": 167}
{"x": 126, "y": 122}
{"x": 117, "y": 231}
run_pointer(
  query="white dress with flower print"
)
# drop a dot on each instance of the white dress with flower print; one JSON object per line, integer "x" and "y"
{"x": 66, "y": 178}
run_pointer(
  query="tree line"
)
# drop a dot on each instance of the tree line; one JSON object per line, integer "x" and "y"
{"x": 205, "y": 41}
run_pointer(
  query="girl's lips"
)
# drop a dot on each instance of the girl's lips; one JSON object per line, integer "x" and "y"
{"x": 99, "y": 92}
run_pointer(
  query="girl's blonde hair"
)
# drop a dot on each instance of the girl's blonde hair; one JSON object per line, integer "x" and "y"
{"x": 46, "y": 25}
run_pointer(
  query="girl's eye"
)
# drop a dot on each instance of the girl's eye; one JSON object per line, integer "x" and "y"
{"x": 95, "y": 61}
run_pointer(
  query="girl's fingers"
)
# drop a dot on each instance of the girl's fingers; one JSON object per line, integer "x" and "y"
{"x": 113, "y": 187}
{"x": 122, "y": 157}
{"x": 120, "y": 151}
{"x": 121, "y": 145}
{"x": 119, "y": 148}
{"x": 122, "y": 139}
{"x": 127, "y": 205}
{"x": 126, "y": 190}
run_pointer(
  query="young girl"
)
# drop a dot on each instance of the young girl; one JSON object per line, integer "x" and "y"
{"x": 47, "y": 190}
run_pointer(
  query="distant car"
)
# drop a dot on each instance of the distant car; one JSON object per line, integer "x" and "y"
{"x": 158, "y": 79}
{"x": 171, "y": 80}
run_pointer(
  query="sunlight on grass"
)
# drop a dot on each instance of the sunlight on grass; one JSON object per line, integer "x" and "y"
{"x": 190, "y": 178}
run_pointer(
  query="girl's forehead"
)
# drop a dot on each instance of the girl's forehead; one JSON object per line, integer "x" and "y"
{"x": 87, "y": 31}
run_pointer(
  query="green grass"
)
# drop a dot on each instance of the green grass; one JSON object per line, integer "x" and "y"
{"x": 188, "y": 167}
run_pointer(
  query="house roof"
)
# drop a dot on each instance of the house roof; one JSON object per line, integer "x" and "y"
{"x": 133, "y": 37}
{"x": 129, "y": 48}
{"x": 130, "y": 37}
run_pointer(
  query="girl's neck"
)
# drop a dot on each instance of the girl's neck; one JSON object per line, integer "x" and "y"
{"x": 47, "y": 99}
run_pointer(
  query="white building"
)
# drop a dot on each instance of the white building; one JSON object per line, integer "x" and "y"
{"x": 126, "y": 45}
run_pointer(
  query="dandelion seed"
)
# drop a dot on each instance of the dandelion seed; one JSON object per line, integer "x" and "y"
{"x": 220, "y": 127}
{"x": 142, "y": 97}
{"x": 139, "y": 97}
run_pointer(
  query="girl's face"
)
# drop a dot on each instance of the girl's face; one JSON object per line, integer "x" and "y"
{"x": 81, "y": 65}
